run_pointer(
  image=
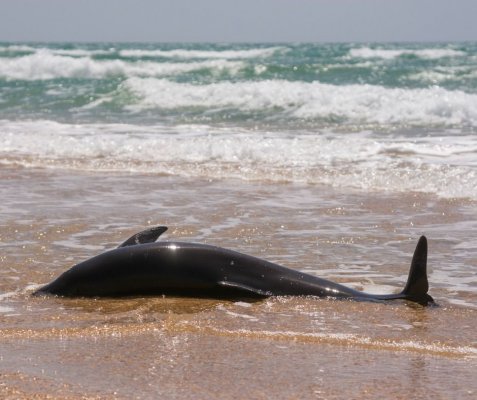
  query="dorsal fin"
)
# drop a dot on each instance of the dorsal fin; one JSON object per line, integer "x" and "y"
{"x": 147, "y": 236}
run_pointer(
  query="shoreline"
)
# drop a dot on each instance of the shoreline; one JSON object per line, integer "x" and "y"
{"x": 198, "y": 348}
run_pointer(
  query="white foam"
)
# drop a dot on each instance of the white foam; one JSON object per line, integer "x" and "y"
{"x": 186, "y": 54}
{"x": 349, "y": 339}
{"x": 44, "y": 65}
{"x": 3, "y": 296}
{"x": 360, "y": 104}
{"x": 7, "y": 295}
{"x": 442, "y": 165}
{"x": 443, "y": 74}
{"x": 17, "y": 48}
{"x": 65, "y": 52}
{"x": 388, "y": 54}
{"x": 78, "y": 52}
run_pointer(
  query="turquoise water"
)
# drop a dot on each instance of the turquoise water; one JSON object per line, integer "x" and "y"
{"x": 311, "y": 85}
{"x": 376, "y": 117}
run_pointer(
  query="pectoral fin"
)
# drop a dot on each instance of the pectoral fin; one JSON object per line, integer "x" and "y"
{"x": 245, "y": 288}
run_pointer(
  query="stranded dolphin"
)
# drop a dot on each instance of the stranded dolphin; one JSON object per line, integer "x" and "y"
{"x": 139, "y": 266}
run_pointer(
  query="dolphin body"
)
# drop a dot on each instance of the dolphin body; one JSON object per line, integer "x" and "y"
{"x": 140, "y": 266}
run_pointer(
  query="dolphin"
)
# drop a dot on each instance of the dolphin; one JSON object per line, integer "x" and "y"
{"x": 141, "y": 266}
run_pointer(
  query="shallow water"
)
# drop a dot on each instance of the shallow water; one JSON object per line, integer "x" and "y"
{"x": 198, "y": 348}
{"x": 331, "y": 159}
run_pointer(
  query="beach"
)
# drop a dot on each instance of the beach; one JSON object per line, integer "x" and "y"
{"x": 199, "y": 348}
{"x": 328, "y": 159}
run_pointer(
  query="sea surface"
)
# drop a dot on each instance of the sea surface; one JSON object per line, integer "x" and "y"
{"x": 384, "y": 118}
{"x": 328, "y": 158}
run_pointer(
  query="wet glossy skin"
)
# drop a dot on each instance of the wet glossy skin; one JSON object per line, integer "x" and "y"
{"x": 189, "y": 269}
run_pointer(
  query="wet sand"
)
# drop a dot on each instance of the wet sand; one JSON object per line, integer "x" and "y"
{"x": 290, "y": 348}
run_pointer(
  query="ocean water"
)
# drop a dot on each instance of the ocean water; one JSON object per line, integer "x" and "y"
{"x": 371, "y": 117}
{"x": 330, "y": 159}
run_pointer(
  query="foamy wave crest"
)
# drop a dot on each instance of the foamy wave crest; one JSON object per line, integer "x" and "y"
{"x": 44, "y": 65}
{"x": 367, "y": 52}
{"x": 184, "y": 53}
{"x": 17, "y": 48}
{"x": 359, "y": 104}
{"x": 78, "y": 52}
{"x": 443, "y": 165}
{"x": 440, "y": 75}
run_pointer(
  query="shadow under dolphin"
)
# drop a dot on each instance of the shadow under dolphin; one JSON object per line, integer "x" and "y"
{"x": 141, "y": 266}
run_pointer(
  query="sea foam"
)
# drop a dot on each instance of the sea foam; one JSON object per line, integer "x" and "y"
{"x": 44, "y": 65}
{"x": 442, "y": 165}
{"x": 358, "y": 104}
{"x": 367, "y": 52}
{"x": 210, "y": 54}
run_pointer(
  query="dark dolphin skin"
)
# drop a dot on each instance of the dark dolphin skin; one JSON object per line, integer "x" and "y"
{"x": 141, "y": 267}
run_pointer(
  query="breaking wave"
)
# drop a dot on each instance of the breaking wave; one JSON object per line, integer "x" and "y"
{"x": 358, "y": 104}
{"x": 443, "y": 165}
{"x": 367, "y": 52}
{"x": 44, "y": 65}
{"x": 214, "y": 54}
{"x": 32, "y": 63}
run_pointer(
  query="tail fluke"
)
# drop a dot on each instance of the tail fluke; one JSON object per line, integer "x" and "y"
{"x": 417, "y": 285}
